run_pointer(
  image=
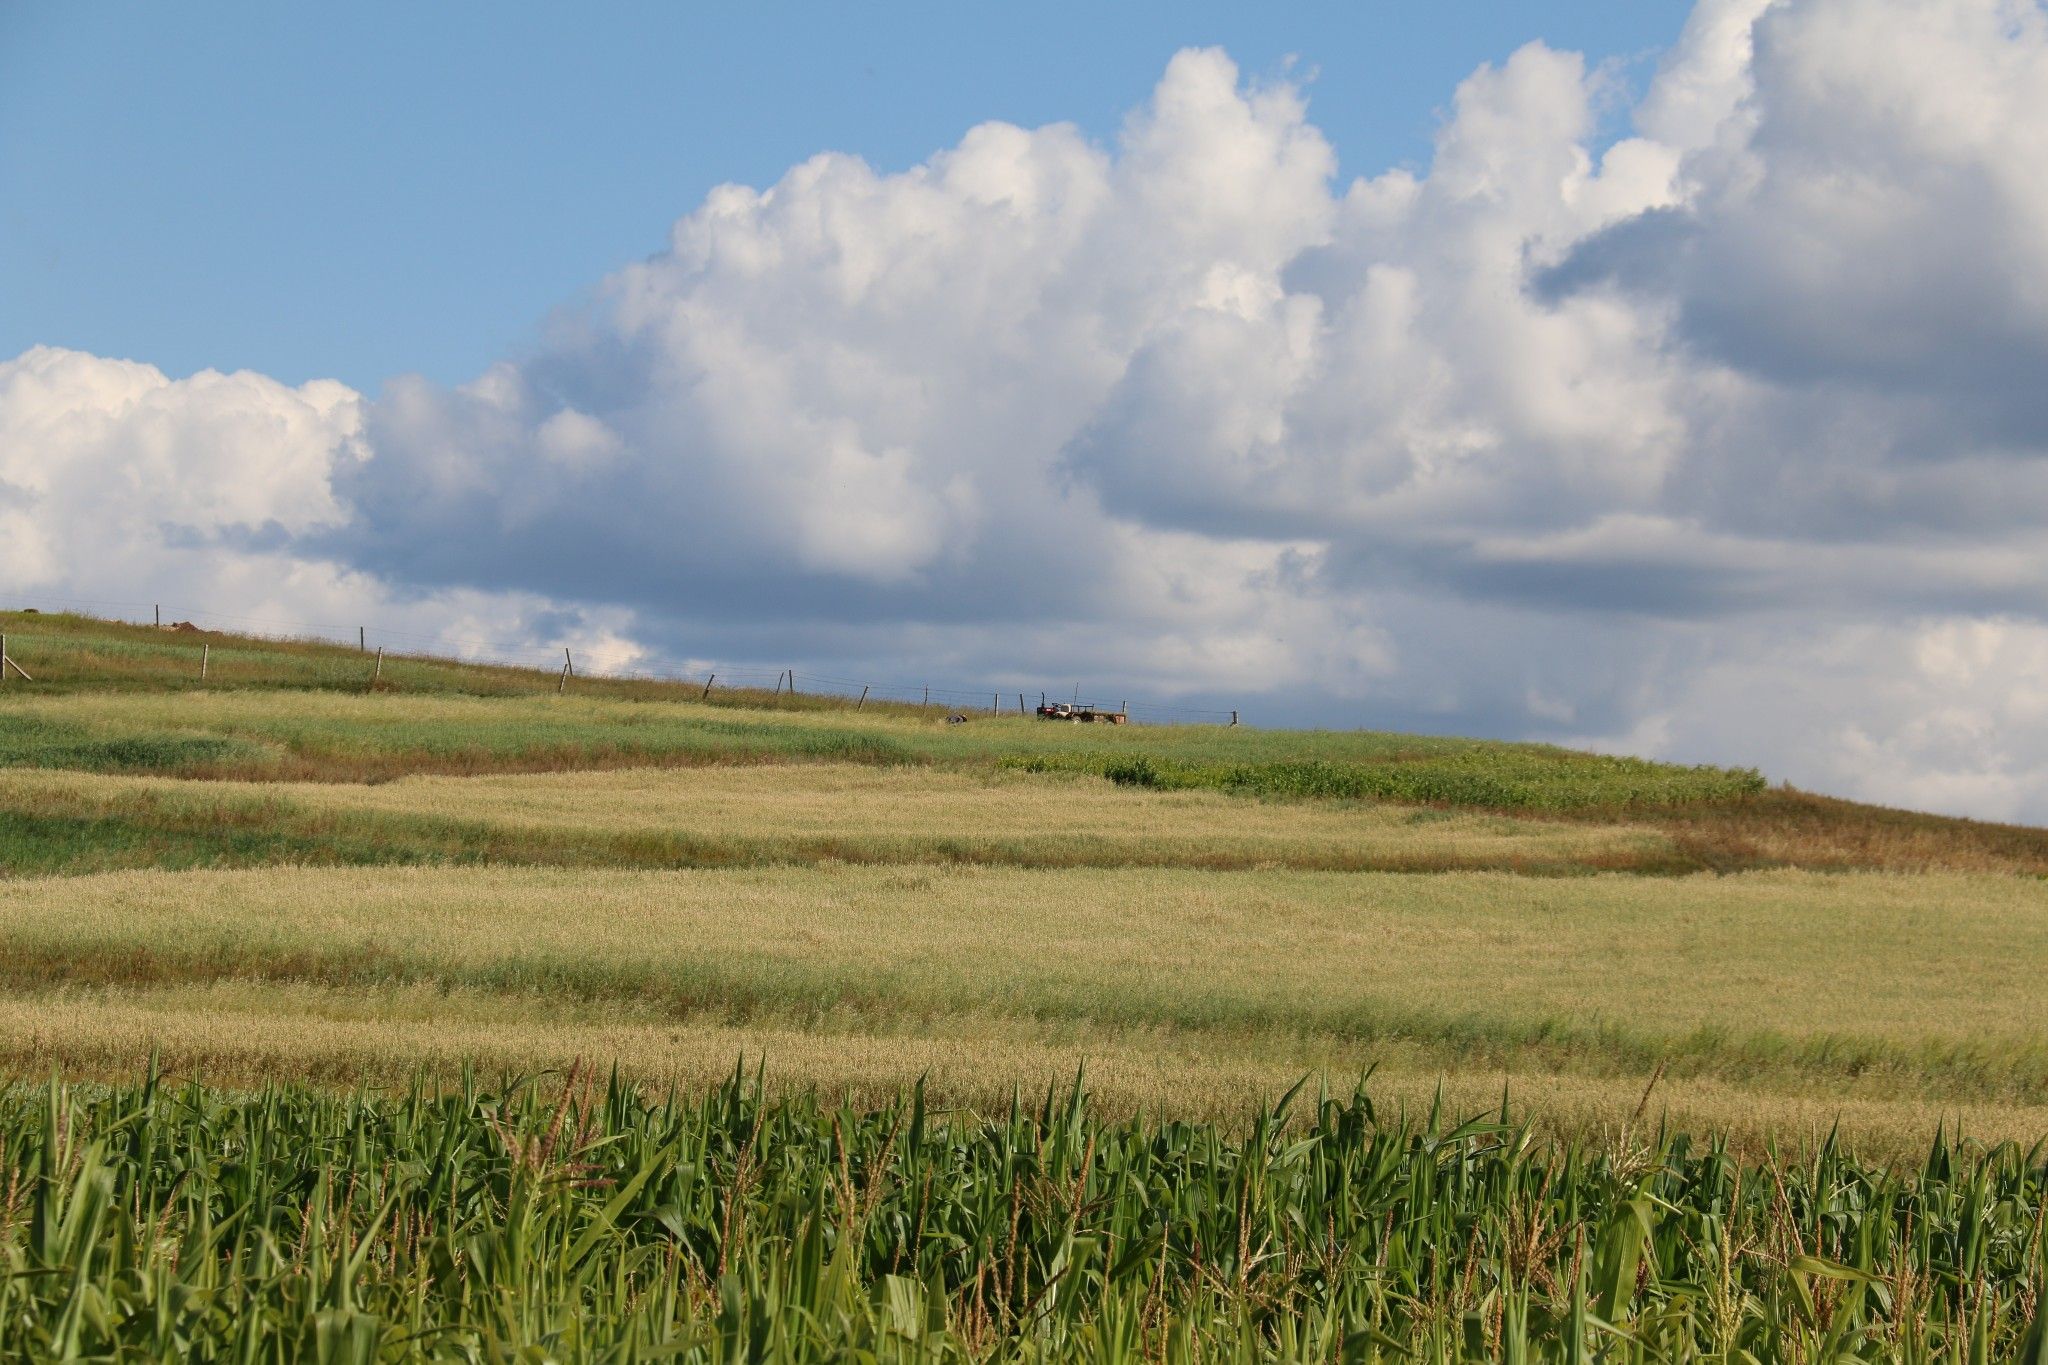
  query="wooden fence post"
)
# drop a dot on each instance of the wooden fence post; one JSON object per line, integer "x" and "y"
{"x": 363, "y": 638}
{"x": 1020, "y": 705}
{"x": 1233, "y": 717}
{"x": 863, "y": 698}
{"x": 792, "y": 682}
{"x": 707, "y": 686}
{"x": 995, "y": 703}
{"x": 159, "y": 608}
{"x": 562, "y": 684}
{"x": 926, "y": 704}
{"x": 204, "y": 650}
{"x": 378, "y": 676}
{"x": 7, "y": 662}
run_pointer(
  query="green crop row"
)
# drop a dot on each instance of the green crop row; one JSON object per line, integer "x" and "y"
{"x": 586, "y": 1222}
{"x": 1521, "y": 777}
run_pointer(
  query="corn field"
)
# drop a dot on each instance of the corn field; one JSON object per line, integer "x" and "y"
{"x": 576, "y": 1221}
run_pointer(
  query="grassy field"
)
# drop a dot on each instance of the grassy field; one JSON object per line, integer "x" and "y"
{"x": 731, "y": 875}
{"x": 1764, "y": 998}
{"x": 54, "y": 821}
{"x": 358, "y": 736}
{"x": 286, "y": 874}
{"x": 129, "y": 699}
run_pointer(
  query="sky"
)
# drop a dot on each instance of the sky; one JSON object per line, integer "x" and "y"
{"x": 353, "y": 192}
{"x": 1658, "y": 378}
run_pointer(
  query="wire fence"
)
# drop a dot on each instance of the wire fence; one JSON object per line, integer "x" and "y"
{"x": 526, "y": 655}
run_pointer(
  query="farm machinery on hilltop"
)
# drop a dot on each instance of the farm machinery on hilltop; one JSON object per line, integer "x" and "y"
{"x": 1080, "y": 713}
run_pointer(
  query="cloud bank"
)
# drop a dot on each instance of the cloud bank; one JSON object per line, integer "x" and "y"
{"x": 1724, "y": 440}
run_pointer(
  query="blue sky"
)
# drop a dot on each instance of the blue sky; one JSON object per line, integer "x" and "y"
{"x": 358, "y": 190}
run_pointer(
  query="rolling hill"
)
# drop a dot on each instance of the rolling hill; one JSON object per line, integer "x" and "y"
{"x": 995, "y": 1039}
{"x": 289, "y": 868}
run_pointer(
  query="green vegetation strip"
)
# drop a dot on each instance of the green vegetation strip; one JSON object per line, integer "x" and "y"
{"x": 31, "y": 741}
{"x": 591, "y": 1223}
{"x": 1508, "y": 777}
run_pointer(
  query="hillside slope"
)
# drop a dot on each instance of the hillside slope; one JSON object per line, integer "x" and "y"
{"x": 291, "y": 868}
{"x": 129, "y": 700}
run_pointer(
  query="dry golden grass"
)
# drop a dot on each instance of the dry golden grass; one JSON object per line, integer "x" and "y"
{"x": 1930, "y": 985}
{"x": 363, "y": 737}
{"x": 237, "y": 1034}
{"x": 1788, "y": 828}
{"x": 781, "y": 813}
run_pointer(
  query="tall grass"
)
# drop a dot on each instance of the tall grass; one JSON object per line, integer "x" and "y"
{"x": 179, "y": 1223}
{"x": 1926, "y": 985}
{"x": 760, "y": 815}
{"x": 1505, "y": 777}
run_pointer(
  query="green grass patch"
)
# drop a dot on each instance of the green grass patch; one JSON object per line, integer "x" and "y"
{"x": 34, "y": 845}
{"x": 1502, "y": 776}
{"x": 32, "y": 741}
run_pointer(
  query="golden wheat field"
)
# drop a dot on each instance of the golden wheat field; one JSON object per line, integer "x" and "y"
{"x": 1767, "y": 999}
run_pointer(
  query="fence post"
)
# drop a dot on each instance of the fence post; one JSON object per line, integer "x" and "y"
{"x": 7, "y": 662}
{"x": 562, "y": 684}
{"x": 707, "y": 686}
{"x": 995, "y": 703}
{"x": 863, "y": 698}
{"x": 159, "y": 609}
{"x": 926, "y": 704}
{"x": 1020, "y": 705}
{"x": 378, "y": 676}
{"x": 792, "y": 682}
{"x": 363, "y": 638}
{"x": 204, "y": 650}
{"x": 1233, "y": 717}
